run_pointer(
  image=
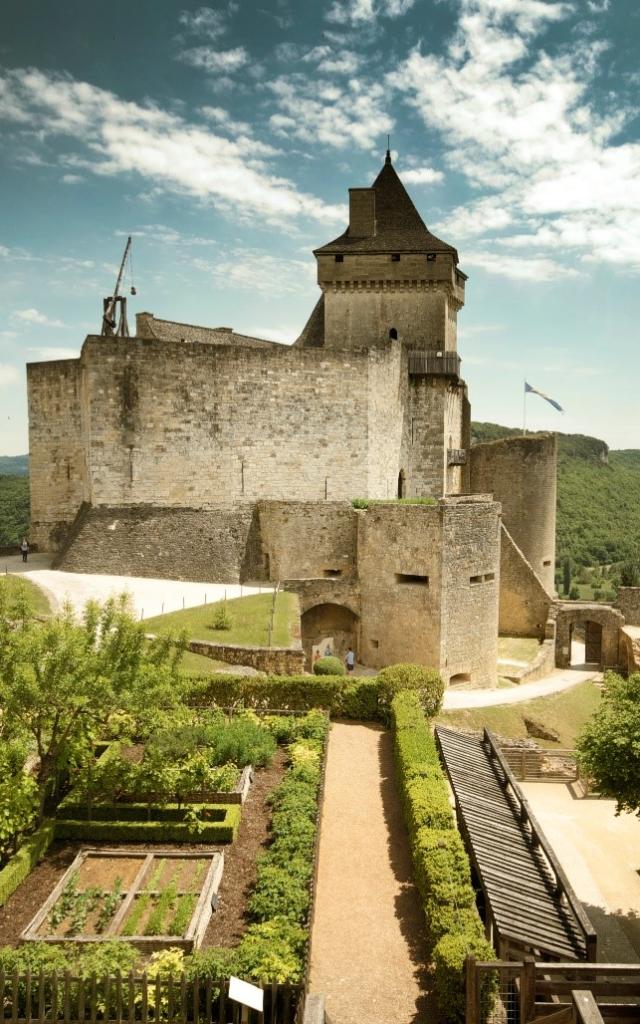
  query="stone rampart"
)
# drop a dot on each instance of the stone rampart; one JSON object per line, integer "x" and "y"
{"x": 520, "y": 472}
{"x": 281, "y": 661}
{"x": 524, "y": 602}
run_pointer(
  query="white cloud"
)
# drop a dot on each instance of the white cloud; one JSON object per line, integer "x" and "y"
{"x": 530, "y": 268}
{"x": 257, "y": 271}
{"x": 421, "y": 176}
{"x": 341, "y": 115}
{"x": 518, "y": 124}
{"x": 215, "y": 61}
{"x": 285, "y": 335}
{"x": 598, "y": 6}
{"x": 35, "y": 317}
{"x": 169, "y": 152}
{"x": 205, "y": 21}
{"x": 71, "y": 179}
{"x": 48, "y": 353}
{"x": 358, "y": 12}
{"x": 8, "y": 375}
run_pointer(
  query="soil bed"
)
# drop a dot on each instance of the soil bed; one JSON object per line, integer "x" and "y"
{"x": 227, "y": 923}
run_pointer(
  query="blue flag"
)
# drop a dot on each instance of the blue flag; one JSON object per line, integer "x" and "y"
{"x": 534, "y": 391}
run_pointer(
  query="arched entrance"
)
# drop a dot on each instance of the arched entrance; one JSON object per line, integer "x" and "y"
{"x": 328, "y": 627}
{"x": 586, "y": 643}
{"x": 587, "y": 633}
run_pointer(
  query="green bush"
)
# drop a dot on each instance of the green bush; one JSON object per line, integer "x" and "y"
{"x": 154, "y": 831}
{"x": 425, "y": 681}
{"x": 344, "y": 696}
{"x": 449, "y": 958}
{"x": 21, "y": 864}
{"x": 221, "y": 618}
{"x": 134, "y": 812}
{"x": 328, "y": 666}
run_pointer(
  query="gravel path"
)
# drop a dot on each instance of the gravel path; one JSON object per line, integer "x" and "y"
{"x": 368, "y": 945}
{"x": 149, "y": 597}
{"x": 561, "y": 679}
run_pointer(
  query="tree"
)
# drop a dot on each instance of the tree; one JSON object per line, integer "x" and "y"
{"x": 566, "y": 575}
{"x": 609, "y": 746}
{"x": 62, "y": 679}
{"x": 630, "y": 574}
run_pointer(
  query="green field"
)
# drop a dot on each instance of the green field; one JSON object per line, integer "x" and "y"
{"x": 250, "y": 617}
{"x": 197, "y": 665}
{"x": 38, "y": 600}
{"x": 567, "y": 712}
{"x": 518, "y": 648}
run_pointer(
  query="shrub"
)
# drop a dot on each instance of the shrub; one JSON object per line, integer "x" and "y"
{"x": 153, "y": 831}
{"x": 272, "y": 950}
{"x": 343, "y": 696}
{"x": 328, "y": 666}
{"x": 449, "y": 957}
{"x": 20, "y": 865}
{"x": 425, "y": 681}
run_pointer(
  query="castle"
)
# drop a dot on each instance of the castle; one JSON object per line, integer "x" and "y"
{"x": 198, "y": 453}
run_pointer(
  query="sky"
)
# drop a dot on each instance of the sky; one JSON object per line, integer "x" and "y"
{"x": 223, "y": 138}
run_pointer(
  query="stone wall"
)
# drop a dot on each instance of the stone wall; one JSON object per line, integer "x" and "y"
{"x": 57, "y": 464}
{"x": 520, "y": 472}
{"x": 309, "y": 539}
{"x": 281, "y": 661}
{"x": 470, "y": 586}
{"x": 221, "y": 543}
{"x": 524, "y": 602}
{"x": 628, "y": 602}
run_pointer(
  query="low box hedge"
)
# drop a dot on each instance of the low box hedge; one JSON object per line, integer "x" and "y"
{"x": 223, "y": 831}
{"x": 22, "y": 862}
{"x": 127, "y": 812}
{"x": 344, "y": 696}
{"x": 440, "y": 863}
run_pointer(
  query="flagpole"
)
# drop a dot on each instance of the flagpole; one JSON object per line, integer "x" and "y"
{"x": 524, "y": 408}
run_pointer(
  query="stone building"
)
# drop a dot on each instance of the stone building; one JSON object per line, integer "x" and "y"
{"x": 200, "y": 453}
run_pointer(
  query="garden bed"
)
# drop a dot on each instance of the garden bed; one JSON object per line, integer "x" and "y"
{"x": 148, "y": 899}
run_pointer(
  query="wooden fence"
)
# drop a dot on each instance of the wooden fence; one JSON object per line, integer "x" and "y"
{"x": 535, "y": 764}
{"x": 519, "y": 992}
{"x": 46, "y": 998}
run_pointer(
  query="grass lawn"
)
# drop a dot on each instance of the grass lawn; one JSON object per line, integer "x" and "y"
{"x": 517, "y": 648}
{"x": 249, "y": 621}
{"x": 38, "y": 600}
{"x": 566, "y": 712}
{"x": 197, "y": 665}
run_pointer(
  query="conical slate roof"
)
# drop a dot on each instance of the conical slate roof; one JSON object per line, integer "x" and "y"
{"x": 399, "y": 226}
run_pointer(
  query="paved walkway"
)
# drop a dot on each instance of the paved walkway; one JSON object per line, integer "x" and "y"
{"x": 368, "y": 946}
{"x": 148, "y": 596}
{"x": 561, "y": 679}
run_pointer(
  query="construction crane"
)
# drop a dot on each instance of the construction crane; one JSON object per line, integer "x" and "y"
{"x": 111, "y": 326}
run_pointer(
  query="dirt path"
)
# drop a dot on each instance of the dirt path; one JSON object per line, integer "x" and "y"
{"x": 560, "y": 679}
{"x": 368, "y": 946}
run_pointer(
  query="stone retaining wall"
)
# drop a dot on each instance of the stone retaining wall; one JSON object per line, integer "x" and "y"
{"x": 281, "y": 661}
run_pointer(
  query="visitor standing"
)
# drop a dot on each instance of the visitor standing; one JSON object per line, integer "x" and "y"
{"x": 350, "y": 660}
{"x": 24, "y": 547}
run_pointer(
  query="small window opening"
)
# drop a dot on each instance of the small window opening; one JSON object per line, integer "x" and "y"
{"x": 332, "y": 574}
{"x": 475, "y": 579}
{"x": 374, "y": 643}
{"x": 339, "y": 258}
{"x": 460, "y": 677}
{"x": 393, "y": 334}
{"x": 401, "y": 484}
{"x": 488, "y": 576}
{"x": 412, "y": 578}
{"x": 547, "y": 562}
{"x": 395, "y": 257}
{"x": 431, "y": 257}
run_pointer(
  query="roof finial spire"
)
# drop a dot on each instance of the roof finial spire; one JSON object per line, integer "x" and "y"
{"x": 387, "y": 159}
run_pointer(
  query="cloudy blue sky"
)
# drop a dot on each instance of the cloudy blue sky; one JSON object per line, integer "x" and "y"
{"x": 224, "y": 138}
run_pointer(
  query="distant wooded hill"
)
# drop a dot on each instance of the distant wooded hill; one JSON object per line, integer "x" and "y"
{"x": 598, "y": 497}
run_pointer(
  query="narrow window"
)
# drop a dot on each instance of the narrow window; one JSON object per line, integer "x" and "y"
{"x": 431, "y": 257}
{"x": 395, "y": 257}
{"x": 393, "y": 334}
{"x": 475, "y": 579}
{"x": 339, "y": 258}
{"x": 488, "y": 576}
{"x": 547, "y": 562}
{"x": 374, "y": 643}
{"x": 332, "y": 574}
{"x": 412, "y": 578}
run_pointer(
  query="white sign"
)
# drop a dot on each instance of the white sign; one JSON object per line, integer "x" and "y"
{"x": 248, "y": 995}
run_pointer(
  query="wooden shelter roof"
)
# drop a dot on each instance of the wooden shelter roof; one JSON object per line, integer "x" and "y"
{"x": 527, "y": 894}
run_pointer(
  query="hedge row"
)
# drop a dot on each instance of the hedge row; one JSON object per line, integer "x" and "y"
{"x": 21, "y": 864}
{"x": 138, "y": 812}
{"x": 345, "y": 697}
{"x": 440, "y": 863}
{"x": 202, "y": 831}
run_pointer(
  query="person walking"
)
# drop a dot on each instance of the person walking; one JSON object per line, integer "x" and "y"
{"x": 24, "y": 547}
{"x": 350, "y": 660}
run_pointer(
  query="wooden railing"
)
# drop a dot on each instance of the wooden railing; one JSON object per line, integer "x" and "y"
{"x": 423, "y": 362}
{"x": 39, "y": 998}
{"x": 518, "y": 992}
{"x": 529, "y": 821}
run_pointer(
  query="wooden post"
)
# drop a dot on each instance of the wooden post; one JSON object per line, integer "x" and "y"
{"x": 527, "y": 989}
{"x": 472, "y": 1015}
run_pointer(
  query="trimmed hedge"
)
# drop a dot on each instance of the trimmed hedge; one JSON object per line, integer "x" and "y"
{"x": 328, "y": 666}
{"x": 344, "y": 696}
{"x": 22, "y": 862}
{"x": 128, "y": 812}
{"x": 223, "y": 831}
{"x": 427, "y": 682}
{"x": 440, "y": 863}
